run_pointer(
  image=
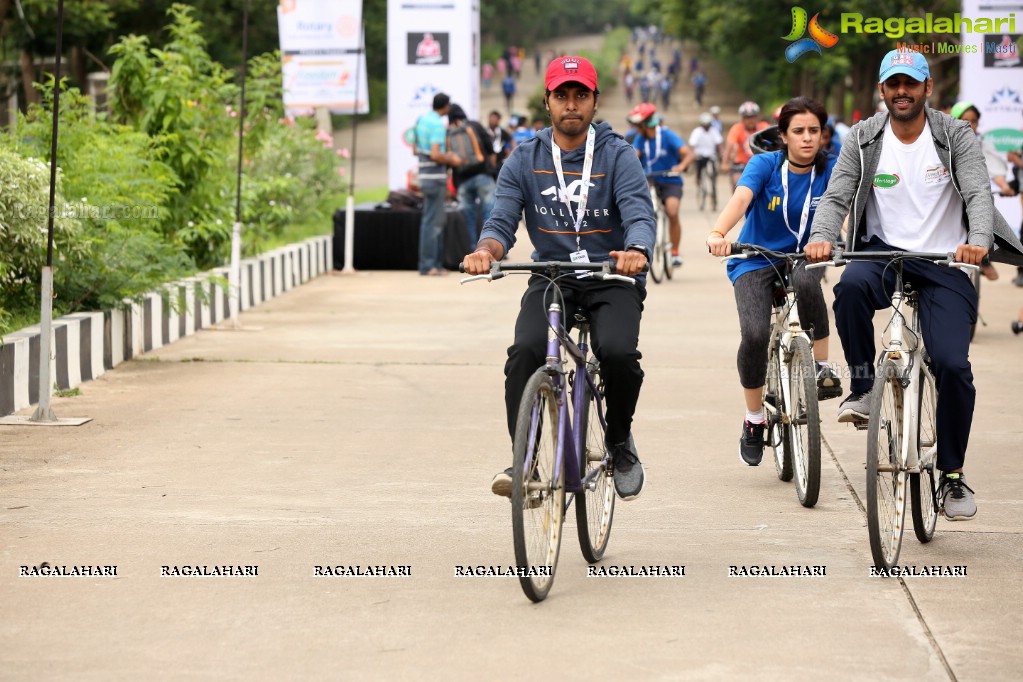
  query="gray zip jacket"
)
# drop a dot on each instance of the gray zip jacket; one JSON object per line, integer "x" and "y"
{"x": 960, "y": 153}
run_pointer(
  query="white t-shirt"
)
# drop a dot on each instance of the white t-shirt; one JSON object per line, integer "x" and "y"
{"x": 705, "y": 142}
{"x": 913, "y": 205}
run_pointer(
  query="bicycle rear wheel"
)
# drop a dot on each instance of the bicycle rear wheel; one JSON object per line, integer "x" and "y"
{"x": 777, "y": 433}
{"x": 594, "y": 507}
{"x": 537, "y": 498}
{"x": 886, "y": 478}
{"x": 804, "y": 420}
{"x": 922, "y": 486}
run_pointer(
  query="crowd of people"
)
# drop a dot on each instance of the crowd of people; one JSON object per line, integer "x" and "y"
{"x": 942, "y": 203}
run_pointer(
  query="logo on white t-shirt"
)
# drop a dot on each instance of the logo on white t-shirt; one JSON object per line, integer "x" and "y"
{"x": 886, "y": 180}
{"x": 935, "y": 175}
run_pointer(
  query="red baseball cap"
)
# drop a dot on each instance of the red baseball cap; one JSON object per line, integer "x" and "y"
{"x": 571, "y": 70}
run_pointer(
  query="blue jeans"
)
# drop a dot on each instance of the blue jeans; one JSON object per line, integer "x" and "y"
{"x": 431, "y": 229}
{"x": 484, "y": 188}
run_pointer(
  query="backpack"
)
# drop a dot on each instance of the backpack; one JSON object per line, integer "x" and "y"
{"x": 462, "y": 140}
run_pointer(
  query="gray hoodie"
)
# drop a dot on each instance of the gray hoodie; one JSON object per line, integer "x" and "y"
{"x": 619, "y": 213}
{"x": 960, "y": 153}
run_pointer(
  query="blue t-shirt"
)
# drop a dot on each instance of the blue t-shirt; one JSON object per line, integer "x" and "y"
{"x": 430, "y": 130}
{"x": 656, "y": 159}
{"x": 765, "y": 224}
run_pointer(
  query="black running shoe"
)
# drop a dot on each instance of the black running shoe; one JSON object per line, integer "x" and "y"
{"x": 828, "y": 384}
{"x": 751, "y": 443}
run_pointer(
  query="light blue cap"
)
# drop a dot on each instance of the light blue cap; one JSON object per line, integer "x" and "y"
{"x": 912, "y": 64}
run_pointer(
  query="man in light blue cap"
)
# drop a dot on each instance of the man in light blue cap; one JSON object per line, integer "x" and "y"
{"x": 914, "y": 179}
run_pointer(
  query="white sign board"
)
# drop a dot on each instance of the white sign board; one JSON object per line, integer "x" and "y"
{"x": 991, "y": 77}
{"x": 323, "y": 60}
{"x": 432, "y": 47}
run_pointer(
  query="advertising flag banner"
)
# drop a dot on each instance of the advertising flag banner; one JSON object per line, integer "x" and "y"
{"x": 322, "y": 57}
{"x": 991, "y": 77}
{"x": 432, "y": 47}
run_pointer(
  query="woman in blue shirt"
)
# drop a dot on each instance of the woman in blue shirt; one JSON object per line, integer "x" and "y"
{"x": 778, "y": 192}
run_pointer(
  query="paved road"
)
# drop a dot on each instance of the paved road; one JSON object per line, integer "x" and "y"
{"x": 358, "y": 420}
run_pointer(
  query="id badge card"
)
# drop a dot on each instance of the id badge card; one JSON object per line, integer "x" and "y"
{"x": 580, "y": 256}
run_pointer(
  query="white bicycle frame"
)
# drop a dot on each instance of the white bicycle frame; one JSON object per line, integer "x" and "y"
{"x": 905, "y": 348}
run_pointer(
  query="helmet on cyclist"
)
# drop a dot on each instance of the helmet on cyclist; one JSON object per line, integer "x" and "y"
{"x": 715, "y": 110}
{"x": 706, "y": 119}
{"x": 749, "y": 109}
{"x": 766, "y": 140}
{"x": 960, "y": 108}
{"x": 644, "y": 114}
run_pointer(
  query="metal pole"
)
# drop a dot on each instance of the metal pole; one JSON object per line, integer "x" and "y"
{"x": 43, "y": 412}
{"x": 236, "y": 231}
{"x": 350, "y": 202}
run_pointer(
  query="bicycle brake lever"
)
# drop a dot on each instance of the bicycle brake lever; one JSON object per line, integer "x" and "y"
{"x": 464, "y": 280}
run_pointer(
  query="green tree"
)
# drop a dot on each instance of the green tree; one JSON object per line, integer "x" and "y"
{"x": 746, "y": 36}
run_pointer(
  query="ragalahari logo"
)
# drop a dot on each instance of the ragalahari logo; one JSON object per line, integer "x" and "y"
{"x": 818, "y": 36}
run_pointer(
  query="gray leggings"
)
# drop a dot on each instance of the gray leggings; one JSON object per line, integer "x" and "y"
{"x": 754, "y": 298}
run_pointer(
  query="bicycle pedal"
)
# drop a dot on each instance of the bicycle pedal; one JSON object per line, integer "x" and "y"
{"x": 861, "y": 424}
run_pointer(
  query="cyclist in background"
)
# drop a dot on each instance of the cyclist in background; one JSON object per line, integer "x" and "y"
{"x": 662, "y": 150}
{"x": 778, "y": 192}
{"x": 997, "y": 167}
{"x": 706, "y": 143}
{"x": 585, "y": 200}
{"x": 737, "y": 149}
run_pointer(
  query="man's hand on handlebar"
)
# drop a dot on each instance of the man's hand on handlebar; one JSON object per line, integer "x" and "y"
{"x": 972, "y": 255}
{"x": 478, "y": 262}
{"x": 818, "y": 252}
{"x": 628, "y": 263}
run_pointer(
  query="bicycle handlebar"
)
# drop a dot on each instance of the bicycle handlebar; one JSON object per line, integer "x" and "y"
{"x": 741, "y": 251}
{"x": 664, "y": 174}
{"x": 841, "y": 258}
{"x": 552, "y": 269}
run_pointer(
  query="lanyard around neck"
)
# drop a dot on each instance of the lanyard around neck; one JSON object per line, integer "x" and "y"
{"x": 657, "y": 150}
{"x": 804, "y": 218}
{"x": 584, "y": 189}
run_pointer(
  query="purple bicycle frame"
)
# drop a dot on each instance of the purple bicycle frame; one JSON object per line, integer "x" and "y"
{"x": 557, "y": 339}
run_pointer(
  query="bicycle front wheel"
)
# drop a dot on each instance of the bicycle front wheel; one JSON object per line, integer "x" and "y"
{"x": 923, "y": 485}
{"x": 886, "y": 477}
{"x": 659, "y": 262}
{"x": 777, "y": 433}
{"x": 538, "y": 496}
{"x": 805, "y": 422}
{"x": 595, "y": 504}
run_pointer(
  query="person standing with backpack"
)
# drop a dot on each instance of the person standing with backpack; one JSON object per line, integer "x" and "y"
{"x": 472, "y": 179}
{"x": 434, "y": 158}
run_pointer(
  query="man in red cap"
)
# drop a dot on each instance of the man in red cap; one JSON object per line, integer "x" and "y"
{"x": 585, "y": 199}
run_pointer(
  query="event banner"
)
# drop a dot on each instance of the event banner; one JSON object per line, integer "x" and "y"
{"x": 322, "y": 58}
{"x": 432, "y": 47}
{"x": 991, "y": 76}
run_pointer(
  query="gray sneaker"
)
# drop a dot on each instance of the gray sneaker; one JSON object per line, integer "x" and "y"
{"x": 855, "y": 408}
{"x": 628, "y": 470}
{"x": 956, "y": 498}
